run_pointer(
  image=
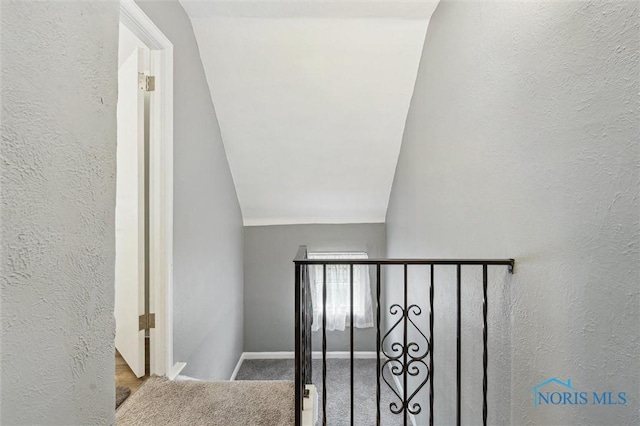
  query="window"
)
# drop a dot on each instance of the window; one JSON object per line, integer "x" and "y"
{"x": 338, "y": 283}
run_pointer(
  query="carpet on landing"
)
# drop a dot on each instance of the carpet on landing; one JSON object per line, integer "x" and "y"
{"x": 161, "y": 402}
{"x": 338, "y": 388}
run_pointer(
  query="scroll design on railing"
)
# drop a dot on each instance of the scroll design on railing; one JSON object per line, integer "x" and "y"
{"x": 406, "y": 358}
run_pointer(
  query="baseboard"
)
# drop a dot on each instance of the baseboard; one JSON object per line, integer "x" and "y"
{"x": 238, "y": 365}
{"x": 345, "y": 355}
{"x": 181, "y": 378}
{"x": 175, "y": 371}
{"x": 267, "y": 355}
{"x": 315, "y": 355}
{"x": 291, "y": 355}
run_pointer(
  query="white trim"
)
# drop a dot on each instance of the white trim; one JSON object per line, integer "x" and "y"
{"x": 160, "y": 185}
{"x": 345, "y": 355}
{"x": 142, "y": 26}
{"x": 176, "y": 370}
{"x": 290, "y": 355}
{"x": 238, "y": 365}
{"x": 181, "y": 378}
{"x": 314, "y": 355}
{"x": 267, "y": 355}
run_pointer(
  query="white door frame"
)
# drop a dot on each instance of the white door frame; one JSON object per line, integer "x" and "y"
{"x": 160, "y": 188}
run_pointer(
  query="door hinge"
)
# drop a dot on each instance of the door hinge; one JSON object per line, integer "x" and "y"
{"x": 146, "y": 82}
{"x": 146, "y": 321}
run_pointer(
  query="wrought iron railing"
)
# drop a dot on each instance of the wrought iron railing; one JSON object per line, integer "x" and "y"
{"x": 400, "y": 357}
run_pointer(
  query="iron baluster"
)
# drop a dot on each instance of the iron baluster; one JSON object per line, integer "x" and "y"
{"x": 351, "y": 338}
{"x": 378, "y": 372}
{"x": 298, "y": 354}
{"x": 459, "y": 347}
{"x": 431, "y": 280}
{"x": 324, "y": 345}
{"x": 485, "y": 352}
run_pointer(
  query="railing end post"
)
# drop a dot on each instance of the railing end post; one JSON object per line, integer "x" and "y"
{"x": 298, "y": 348}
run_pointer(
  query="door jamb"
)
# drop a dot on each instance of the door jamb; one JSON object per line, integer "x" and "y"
{"x": 160, "y": 188}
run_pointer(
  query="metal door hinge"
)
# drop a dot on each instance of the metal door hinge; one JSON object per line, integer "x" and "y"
{"x": 146, "y": 82}
{"x": 146, "y": 321}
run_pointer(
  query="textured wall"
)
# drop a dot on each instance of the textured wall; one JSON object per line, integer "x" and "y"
{"x": 207, "y": 219}
{"x": 522, "y": 141}
{"x": 59, "y": 88}
{"x": 269, "y": 275}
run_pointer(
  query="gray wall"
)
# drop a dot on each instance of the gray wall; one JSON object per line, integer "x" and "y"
{"x": 522, "y": 141}
{"x": 207, "y": 219}
{"x": 57, "y": 204}
{"x": 269, "y": 275}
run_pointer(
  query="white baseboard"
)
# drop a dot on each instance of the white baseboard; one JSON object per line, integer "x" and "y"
{"x": 238, "y": 365}
{"x": 181, "y": 378}
{"x": 291, "y": 355}
{"x": 175, "y": 371}
{"x": 267, "y": 355}
{"x": 315, "y": 355}
{"x": 346, "y": 355}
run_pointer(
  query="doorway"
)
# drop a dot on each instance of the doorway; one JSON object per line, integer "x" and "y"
{"x": 144, "y": 199}
{"x": 132, "y": 310}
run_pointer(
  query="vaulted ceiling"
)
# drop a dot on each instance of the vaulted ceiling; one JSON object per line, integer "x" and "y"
{"x": 311, "y": 97}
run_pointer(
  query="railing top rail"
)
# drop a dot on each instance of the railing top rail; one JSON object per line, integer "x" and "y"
{"x": 301, "y": 259}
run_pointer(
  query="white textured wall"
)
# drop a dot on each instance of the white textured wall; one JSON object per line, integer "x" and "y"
{"x": 58, "y": 154}
{"x": 208, "y": 274}
{"x": 522, "y": 141}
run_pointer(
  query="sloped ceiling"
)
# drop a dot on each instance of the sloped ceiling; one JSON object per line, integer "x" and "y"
{"x": 311, "y": 99}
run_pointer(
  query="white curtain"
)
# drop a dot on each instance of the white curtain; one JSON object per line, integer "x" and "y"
{"x": 338, "y": 301}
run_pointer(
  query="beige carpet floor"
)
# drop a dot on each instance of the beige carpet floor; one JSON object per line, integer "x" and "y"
{"x": 163, "y": 402}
